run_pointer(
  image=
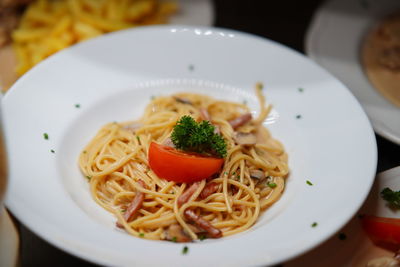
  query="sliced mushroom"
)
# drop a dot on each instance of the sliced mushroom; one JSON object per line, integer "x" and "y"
{"x": 241, "y": 120}
{"x": 257, "y": 174}
{"x": 175, "y": 233}
{"x": 183, "y": 100}
{"x": 245, "y": 138}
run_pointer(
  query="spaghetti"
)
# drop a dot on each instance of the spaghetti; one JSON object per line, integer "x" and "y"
{"x": 252, "y": 177}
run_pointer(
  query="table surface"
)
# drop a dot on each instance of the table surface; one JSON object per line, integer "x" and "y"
{"x": 283, "y": 21}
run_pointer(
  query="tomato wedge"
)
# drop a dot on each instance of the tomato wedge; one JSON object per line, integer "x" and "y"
{"x": 178, "y": 166}
{"x": 383, "y": 232}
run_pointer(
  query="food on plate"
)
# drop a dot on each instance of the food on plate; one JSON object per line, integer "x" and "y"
{"x": 192, "y": 167}
{"x": 48, "y": 26}
{"x": 381, "y": 57}
{"x": 392, "y": 197}
{"x": 383, "y": 232}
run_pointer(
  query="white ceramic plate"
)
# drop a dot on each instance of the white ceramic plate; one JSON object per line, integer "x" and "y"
{"x": 113, "y": 77}
{"x": 334, "y": 39}
{"x": 355, "y": 249}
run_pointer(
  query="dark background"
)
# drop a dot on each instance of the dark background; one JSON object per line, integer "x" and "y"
{"x": 283, "y": 21}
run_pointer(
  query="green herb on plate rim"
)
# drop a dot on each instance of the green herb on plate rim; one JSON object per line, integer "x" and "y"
{"x": 185, "y": 250}
{"x": 314, "y": 224}
{"x": 309, "y": 182}
{"x": 46, "y": 136}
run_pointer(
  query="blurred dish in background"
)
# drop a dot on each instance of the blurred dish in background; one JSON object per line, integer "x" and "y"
{"x": 381, "y": 57}
{"x": 334, "y": 40}
{"x": 46, "y": 26}
{"x": 351, "y": 246}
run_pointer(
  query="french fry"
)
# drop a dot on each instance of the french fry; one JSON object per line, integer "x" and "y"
{"x": 48, "y": 26}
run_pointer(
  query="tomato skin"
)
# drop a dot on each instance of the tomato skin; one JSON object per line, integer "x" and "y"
{"x": 383, "y": 232}
{"x": 178, "y": 166}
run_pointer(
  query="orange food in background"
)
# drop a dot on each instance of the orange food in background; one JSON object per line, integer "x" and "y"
{"x": 47, "y": 26}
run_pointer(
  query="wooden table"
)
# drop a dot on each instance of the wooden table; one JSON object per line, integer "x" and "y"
{"x": 283, "y": 21}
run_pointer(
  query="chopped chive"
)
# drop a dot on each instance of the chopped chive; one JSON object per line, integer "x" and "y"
{"x": 185, "y": 250}
{"x": 202, "y": 237}
{"x": 52, "y": 151}
{"x": 174, "y": 239}
{"x": 314, "y": 224}
{"x": 84, "y": 151}
{"x": 272, "y": 185}
{"x": 46, "y": 136}
{"x": 141, "y": 234}
{"x": 259, "y": 85}
{"x": 342, "y": 236}
{"x": 309, "y": 183}
{"x": 88, "y": 177}
{"x": 301, "y": 90}
{"x": 138, "y": 137}
{"x": 298, "y": 116}
{"x": 77, "y": 105}
{"x": 123, "y": 210}
{"x": 191, "y": 67}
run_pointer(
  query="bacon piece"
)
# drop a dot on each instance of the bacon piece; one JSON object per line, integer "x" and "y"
{"x": 204, "y": 115}
{"x": 175, "y": 233}
{"x": 187, "y": 194}
{"x": 208, "y": 190}
{"x": 202, "y": 223}
{"x": 183, "y": 100}
{"x": 135, "y": 205}
{"x": 241, "y": 120}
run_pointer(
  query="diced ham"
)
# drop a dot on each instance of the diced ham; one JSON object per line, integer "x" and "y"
{"x": 202, "y": 223}
{"x": 208, "y": 190}
{"x": 241, "y": 120}
{"x": 204, "y": 115}
{"x": 187, "y": 194}
{"x": 135, "y": 205}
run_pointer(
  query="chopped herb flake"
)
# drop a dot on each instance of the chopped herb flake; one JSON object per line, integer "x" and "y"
{"x": 314, "y": 224}
{"x": 301, "y": 90}
{"x": 141, "y": 234}
{"x": 298, "y": 116}
{"x": 272, "y": 185}
{"x": 392, "y": 197}
{"x": 259, "y": 85}
{"x": 226, "y": 173}
{"x": 174, "y": 239}
{"x": 77, "y": 105}
{"x": 202, "y": 237}
{"x": 309, "y": 183}
{"x": 342, "y": 236}
{"x": 84, "y": 151}
{"x": 123, "y": 210}
{"x": 88, "y": 177}
{"x": 138, "y": 137}
{"x": 46, "y": 136}
{"x": 185, "y": 250}
{"x": 191, "y": 67}
{"x": 52, "y": 151}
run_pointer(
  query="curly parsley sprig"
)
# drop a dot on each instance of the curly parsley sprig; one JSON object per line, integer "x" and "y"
{"x": 199, "y": 137}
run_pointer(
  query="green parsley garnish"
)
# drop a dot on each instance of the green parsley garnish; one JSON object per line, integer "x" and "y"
{"x": 342, "y": 236}
{"x": 77, "y": 105}
{"x": 309, "y": 183}
{"x": 301, "y": 90}
{"x": 185, "y": 250}
{"x": 46, "y": 136}
{"x": 202, "y": 237}
{"x": 52, "y": 151}
{"x": 392, "y": 197}
{"x": 123, "y": 210}
{"x": 272, "y": 185}
{"x": 141, "y": 234}
{"x": 298, "y": 116}
{"x": 138, "y": 138}
{"x": 88, "y": 177}
{"x": 199, "y": 137}
{"x": 314, "y": 224}
{"x": 174, "y": 239}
